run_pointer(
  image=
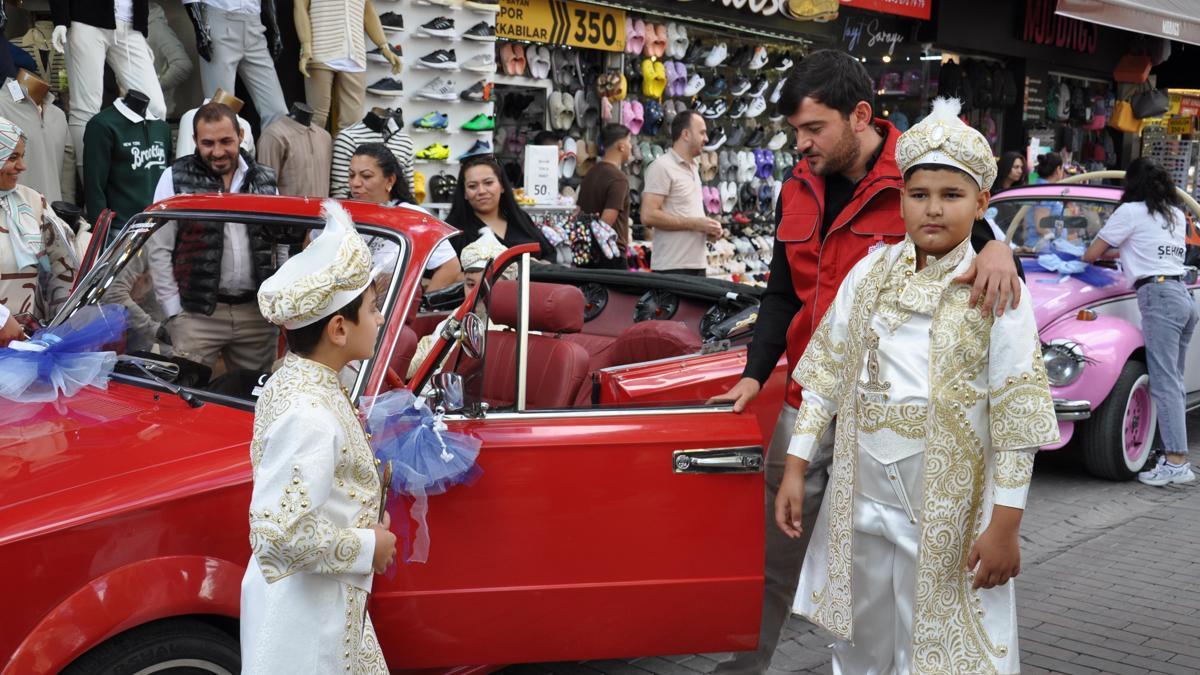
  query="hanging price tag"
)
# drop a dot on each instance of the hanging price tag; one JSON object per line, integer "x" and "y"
{"x": 541, "y": 173}
{"x": 562, "y": 22}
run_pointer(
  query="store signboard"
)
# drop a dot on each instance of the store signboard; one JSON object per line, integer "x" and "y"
{"x": 541, "y": 173}
{"x": 1180, "y": 125}
{"x": 870, "y": 35}
{"x": 1189, "y": 105}
{"x": 917, "y": 9}
{"x": 562, "y": 22}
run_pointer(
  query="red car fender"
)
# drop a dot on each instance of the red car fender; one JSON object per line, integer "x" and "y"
{"x": 124, "y": 598}
{"x": 1107, "y": 342}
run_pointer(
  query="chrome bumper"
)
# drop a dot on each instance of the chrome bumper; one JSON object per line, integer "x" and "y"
{"x": 1071, "y": 411}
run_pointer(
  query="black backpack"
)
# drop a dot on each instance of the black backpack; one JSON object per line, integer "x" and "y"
{"x": 982, "y": 87}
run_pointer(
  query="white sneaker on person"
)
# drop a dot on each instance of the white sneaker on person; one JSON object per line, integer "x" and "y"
{"x": 1165, "y": 473}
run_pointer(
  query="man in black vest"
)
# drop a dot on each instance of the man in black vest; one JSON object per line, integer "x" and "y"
{"x": 206, "y": 274}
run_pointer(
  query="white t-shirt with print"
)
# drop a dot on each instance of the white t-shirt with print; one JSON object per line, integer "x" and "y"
{"x": 1150, "y": 244}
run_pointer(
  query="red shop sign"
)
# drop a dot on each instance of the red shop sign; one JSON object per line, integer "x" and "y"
{"x": 1044, "y": 27}
{"x": 917, "y": 9}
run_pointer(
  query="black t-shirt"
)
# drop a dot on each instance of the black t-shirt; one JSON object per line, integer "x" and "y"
{"x": 607, "y": 187}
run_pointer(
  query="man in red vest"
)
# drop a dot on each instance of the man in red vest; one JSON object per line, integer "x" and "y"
{"x": 840, "y": 201}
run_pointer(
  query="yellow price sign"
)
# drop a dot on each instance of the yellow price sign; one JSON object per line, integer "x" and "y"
{"x": 562, "y": 22}
{"x": 1180, "y": 125}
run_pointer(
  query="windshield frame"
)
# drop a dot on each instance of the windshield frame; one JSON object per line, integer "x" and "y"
{"x": 133, "y": 236}
{"x": 1028, "y": 201}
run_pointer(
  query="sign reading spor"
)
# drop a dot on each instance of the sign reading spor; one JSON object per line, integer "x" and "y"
{"x": 562, "y": 22}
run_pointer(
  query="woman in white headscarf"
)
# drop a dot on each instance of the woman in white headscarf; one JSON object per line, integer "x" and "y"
{"x": 33, "y": 240}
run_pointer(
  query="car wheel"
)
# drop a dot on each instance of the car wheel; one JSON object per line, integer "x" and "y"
{"x": 1120, "y": 433}
{"x": 174, "y": 646}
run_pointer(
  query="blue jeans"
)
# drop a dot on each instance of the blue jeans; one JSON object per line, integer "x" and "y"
{"x": 1168, "y": 319}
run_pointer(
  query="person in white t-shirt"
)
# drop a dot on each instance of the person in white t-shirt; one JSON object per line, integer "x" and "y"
{"x": 1149, "y": 228}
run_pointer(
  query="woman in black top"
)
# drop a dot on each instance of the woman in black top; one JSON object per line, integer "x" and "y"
{"x": 1010, "y": 172}
{"x": 484, "y": 198}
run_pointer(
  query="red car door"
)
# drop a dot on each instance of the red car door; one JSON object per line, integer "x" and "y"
{"x": 592, "y": 533}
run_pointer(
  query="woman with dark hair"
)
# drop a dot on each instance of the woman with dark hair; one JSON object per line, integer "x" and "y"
{"x": 1010, "y": 172}
{"x": 1150, "y": 230}
{"x": 1049, "y": 170}
{"x": 376, "y": 177}
{"x": 483, "y": 198}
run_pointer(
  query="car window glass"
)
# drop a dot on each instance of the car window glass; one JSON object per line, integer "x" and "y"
{"x": 216, "y": 341}
{"x": 1032, "y": 224}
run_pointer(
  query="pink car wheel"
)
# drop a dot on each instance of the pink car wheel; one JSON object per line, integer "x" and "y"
{"x": 1117, "y": 439}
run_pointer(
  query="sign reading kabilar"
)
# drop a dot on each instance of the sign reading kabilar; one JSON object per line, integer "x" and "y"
{"x": 562, "y": 22}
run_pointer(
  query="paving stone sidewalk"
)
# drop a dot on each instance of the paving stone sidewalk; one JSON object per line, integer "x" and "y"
{"x": 1110, "y": 584}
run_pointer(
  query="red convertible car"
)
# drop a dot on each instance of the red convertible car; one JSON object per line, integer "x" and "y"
{"x": 617, "y": 514}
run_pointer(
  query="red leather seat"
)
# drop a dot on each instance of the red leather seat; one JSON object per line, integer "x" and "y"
{"x": 556, "y": 367}
{"x": 406, "y": 347}
{"x": 641, "y": 342}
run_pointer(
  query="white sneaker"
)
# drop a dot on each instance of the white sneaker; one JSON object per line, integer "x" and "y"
{"x": 481, "y": 63}
{"x": 759, "y": 59}
{"x": 439, "y": 89}
{"x": 1165, "y": 473}
{"x": 777, "y": 141}
{"x": 694, "y": 85}
{"x": 778, "y": 89}
{"x": 757, "y": 107}
{"x": 717, "y": 56}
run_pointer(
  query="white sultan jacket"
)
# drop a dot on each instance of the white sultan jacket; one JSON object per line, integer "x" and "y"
{"x": 316, "y": 494}
{"x": 967, "y": 392}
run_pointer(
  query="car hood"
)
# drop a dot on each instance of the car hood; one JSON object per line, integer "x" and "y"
{"x": 101, "y": 452}
{"x": 1055, "y": 296}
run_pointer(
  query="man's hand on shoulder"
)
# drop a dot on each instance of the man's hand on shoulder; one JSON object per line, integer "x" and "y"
{"x": 994, "y": 279}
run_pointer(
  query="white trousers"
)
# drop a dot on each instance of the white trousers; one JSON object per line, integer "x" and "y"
{"x": 126, "y": 52}
{"x": 239, "y": 49}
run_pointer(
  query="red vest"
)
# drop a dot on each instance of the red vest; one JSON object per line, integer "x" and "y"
{"x": 870, "y": 218}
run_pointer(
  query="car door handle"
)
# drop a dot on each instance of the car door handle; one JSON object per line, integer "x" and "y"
{"x": 746, "y": 459}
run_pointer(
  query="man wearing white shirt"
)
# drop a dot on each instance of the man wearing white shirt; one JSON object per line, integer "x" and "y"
{"x": 205, "y": 274}
{"x": 240, "y": 38}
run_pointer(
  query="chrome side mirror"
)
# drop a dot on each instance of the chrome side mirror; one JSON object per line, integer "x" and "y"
{"x": 471, "y": 335}
{"x": 448, "y": 390}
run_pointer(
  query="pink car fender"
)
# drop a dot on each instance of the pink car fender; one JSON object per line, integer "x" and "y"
{"x": 125, "y": 598}
{"x": 1107, "y": 342}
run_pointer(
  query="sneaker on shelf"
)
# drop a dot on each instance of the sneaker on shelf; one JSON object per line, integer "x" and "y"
{"x": 781, "y": 62}
{"x": 386, "y": 86}
{"x": 377, "y": 55}
{"x": 481, "y": 147}
{"x": 1165, "y": 473}
{"x": 777, "y": 141}
{"x": 483, "y": 5}
{"x": 739, "y": 86}
{"x": 718, "y": 108}
{"x": 715, "y": 140}
{"x": 433, "y": 120}
{"x": 715, "y": 89}
{"x": 434, "y": 151}
{"x": 439, "y": 89}
{"x": 738, "y": 108}
{"x": 482, "y": 31}
{"x": 694, "y": 84}
{"x": 757, "y": 107}
{"x": 756, "y": 139}
{"x": 759, "y": 86}
{"x": 480, "y": 92}
{"x": 439, "y": 27}
{"x": 440, "y": 59}
{"x": 480, "y": 122}
{"x": 392, "y": 22}
{"x": 481, "y": 63}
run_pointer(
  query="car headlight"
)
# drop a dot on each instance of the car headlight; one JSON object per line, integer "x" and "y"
{"x": 1064, "y": 362}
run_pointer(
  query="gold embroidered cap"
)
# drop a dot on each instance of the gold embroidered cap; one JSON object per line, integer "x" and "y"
{"x": 330, "y": 272}
{"x": 476, "y": 255}
{"x": 942, "y": 138}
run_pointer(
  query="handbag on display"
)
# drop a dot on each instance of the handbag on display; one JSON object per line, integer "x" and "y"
{"x": 1123, "y": 118}
{"x": 1150, "y": 103}
{"x": 1133, "y": 69}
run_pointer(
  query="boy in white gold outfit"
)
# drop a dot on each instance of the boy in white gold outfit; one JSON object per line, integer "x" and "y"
{"x": 314, "y": 511}
{"x": 939, "y": 411}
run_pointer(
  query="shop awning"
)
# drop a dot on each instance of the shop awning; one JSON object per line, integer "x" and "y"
{"x": 1170, "y": 19}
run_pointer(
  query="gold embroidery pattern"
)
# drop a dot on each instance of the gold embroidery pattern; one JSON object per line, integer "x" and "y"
{"x": 820, "y": 369}
{"x": 1014, "y": 468}
{"x": 947, "y": 634}
{"x": 811, "y": 420}
{"x": 904, "y": 419}
{"x": 1022, "y": 413}
{"x": 360, "y": 648}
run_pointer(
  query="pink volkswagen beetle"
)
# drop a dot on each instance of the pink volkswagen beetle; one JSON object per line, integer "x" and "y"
{"x": 1089, "y": 322}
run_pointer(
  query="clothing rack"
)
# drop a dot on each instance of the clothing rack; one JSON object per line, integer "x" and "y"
{"x": 1080, "y": 78}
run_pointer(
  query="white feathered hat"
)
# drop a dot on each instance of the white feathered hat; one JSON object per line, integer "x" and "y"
{"x": 330, "y": 272}
{"x": 942, "y": 138}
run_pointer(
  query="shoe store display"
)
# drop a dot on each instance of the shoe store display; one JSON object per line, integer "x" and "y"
{"x": 481, "y": 63}
{"x": 483, "y": 5}
{"x": 738, "y": 108}
{"x": 756, "y": 139}
{"x": 715, "y": 89}
{"x": 717, "y": 55}
{"x": 781, "y": 62}
{"x": 756, "y": 107}
{"x": 716, "y": 109}
{"x": 392, "y": 22}
{"x": 481, "y": 32}
{"x": 480, "y": 92}
{"x": 386, "y": 86}
{"x": 480, "y": 122}
{"x": 432, "y": 121}
{"x": 434, "y": 152}
{"x": 759, "y": 86}
{"x": 441, "y": 59}
{"x": 716, "y": 139}
{"x": 481, "y": 147}
{"x": 739, "y": 86}
{"x": 377, "y": 56}
{"x": 439, "y": 27}
{"x": 439, "y": 89}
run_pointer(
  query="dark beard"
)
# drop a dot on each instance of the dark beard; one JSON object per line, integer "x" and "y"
{"x": 843, "y": 157}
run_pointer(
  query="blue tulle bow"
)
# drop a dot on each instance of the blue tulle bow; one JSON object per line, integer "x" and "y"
{"x": 58, "y": 362}
{"x": 425, "y": 458}
{"x": 1063, "y": 258}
